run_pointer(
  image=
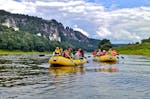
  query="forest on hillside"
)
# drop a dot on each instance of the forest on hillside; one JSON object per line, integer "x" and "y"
{"x": 26, "y": 37}
{"x": 19, "y": 40}
{"x": 24, "y": 41}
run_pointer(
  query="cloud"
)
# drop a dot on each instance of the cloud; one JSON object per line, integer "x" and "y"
{"x": 17, "y": 7}
{"x": 59, "y": 4}
{"x": 130, "y": 24}
{"x": 103, "y": 32}
{"x": 119, "y": 25}
{"x": 80, "y": 30}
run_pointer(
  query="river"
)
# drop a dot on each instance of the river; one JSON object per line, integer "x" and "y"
{"x": 31, "y": 77}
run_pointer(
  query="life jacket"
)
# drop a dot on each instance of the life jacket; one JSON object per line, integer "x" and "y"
{"x": 94, "y": 53}
{"x": 79, "y": 53}
{"x": 57, "y": 51}
{"x": 104, "y": 53}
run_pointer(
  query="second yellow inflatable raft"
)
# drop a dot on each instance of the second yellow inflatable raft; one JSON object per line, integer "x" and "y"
{"x": 105, "y": 58}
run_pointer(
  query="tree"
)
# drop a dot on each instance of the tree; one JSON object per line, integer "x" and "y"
{"x": 104, "y": 44}
{"x": 146, "y": 40}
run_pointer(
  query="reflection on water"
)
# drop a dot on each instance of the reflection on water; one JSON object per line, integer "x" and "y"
{"x": 108, "y": 67}
{"x": 103, "y": 69}
{"x": 113, "y": 69}
{"x": 61, "y": 70}
{"x": 31, "y": 77}
{"x": 107, "y": 63}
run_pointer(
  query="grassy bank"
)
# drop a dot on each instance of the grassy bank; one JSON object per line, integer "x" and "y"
{"x": 136, "y": 49}
{"x": 21, "y": 52}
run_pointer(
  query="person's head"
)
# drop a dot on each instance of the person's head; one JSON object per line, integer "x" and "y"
{"x": 99, "y": 49}
{"x": 79, "y": 49}
{"x": 114, "y": 50}
{"x": 61, "y": 49}
{"x": 57, "y": 47}
{"x": 69, "y": 49}
{"x": 104, "y": 50}
{"x": 110, "y": 49}
{"x": 65, "y": 50}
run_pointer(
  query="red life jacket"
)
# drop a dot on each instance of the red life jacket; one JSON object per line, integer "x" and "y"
{"x": 79, "y": 53}
{"x": 94, "y": 53}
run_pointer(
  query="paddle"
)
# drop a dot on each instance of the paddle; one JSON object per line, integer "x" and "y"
{"x": 84, "y": 58}
{"x": 120, "y": 58}
{"x": 87, "y": 57}
{"x": 41, "y": 55}
{"x": 71, "y": 59}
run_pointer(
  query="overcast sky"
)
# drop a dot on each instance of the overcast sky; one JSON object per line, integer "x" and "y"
{"x": 120, "y": 21}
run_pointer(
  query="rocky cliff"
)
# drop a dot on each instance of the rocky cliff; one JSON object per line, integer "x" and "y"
{"x": 48, "y": 29}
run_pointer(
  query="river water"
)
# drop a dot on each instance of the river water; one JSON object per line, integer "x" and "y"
{"x": 31, "y": 77}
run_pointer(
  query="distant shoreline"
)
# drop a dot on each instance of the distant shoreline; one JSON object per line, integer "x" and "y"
{"x": 128, "y": 52}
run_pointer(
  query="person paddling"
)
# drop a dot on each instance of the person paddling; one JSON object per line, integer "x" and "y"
{"x": 79, "y": 54}
{"x": 68, "y": 53}
{"x": 57, "y": 51}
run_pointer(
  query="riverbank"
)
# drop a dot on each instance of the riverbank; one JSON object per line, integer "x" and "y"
{"x": 135, "y": 52}
{"x": 22, "y": 52}
{"x": 135, "y": 49}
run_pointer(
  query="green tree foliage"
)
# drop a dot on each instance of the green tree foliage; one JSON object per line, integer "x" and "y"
{"x": 104, "y": 44}
{"x": 146, "y": 40}
{"x": 19, "y": 40}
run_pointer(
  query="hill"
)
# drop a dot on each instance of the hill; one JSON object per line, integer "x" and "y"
{"x": 138, "y": 49}
{"x": 23, "y": 32}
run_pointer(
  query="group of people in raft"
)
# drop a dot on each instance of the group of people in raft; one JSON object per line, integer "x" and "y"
{"x": 69, "y": 53}
{"x": 104, "y": 52}
{"x": 79, "y": 54}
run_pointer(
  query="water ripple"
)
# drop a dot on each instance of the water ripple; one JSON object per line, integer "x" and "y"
{"x": 30, "y": 77}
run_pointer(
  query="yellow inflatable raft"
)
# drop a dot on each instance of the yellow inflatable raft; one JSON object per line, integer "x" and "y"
{"x": 60, "y": 60}
{"x": 106, "y": 58}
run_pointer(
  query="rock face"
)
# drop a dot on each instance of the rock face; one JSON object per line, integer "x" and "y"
{"x": 33, "y": 25}
{"x": 10, "y": 22}
{"x": 48, "y": 29}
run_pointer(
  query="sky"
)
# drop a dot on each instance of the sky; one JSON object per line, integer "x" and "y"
{"x": 120, "y": 21}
